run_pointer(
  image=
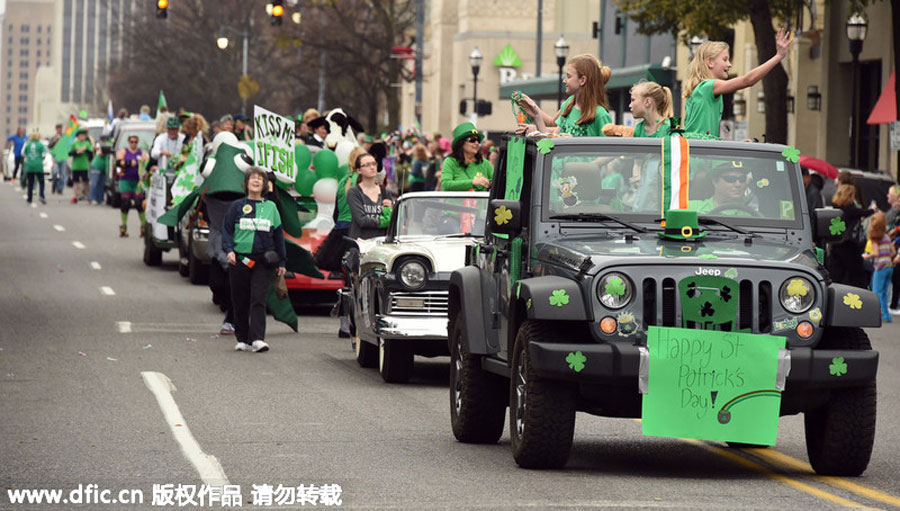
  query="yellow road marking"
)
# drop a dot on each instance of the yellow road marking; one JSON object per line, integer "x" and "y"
{"x": 779, "y": 458}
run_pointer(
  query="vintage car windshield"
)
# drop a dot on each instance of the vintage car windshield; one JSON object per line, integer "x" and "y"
{"x": 746, "y": 187}
{"x": 441, "y": 216}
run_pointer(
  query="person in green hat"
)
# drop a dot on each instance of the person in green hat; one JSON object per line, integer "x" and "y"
{"x": 168, "y": 144}
{"x": 729, "y": 181}
{"x": 465, "y": 169}
{"x": 81, "y": 152}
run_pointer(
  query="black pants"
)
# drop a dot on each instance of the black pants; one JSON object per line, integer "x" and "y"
{"x": 18, "y": 163}
{"x": 249, "y": 287}
{"x": 895, "y": 281}
{"x": 221, "y": 289}
{"x": 31, "y": 177}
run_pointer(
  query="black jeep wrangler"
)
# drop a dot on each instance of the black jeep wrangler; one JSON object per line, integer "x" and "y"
{"x": 575, "y": 262}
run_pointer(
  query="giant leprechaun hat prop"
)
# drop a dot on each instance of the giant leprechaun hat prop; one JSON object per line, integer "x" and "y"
{"x": 463, "y": 131}
{"x": 682, "y": 225}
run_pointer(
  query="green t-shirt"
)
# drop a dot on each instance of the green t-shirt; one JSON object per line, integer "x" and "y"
{"x": 341, "y": 198}
{"x": 266, "y": 218}
{"x": 34, "y": 156}
{"x": 567, "y": 123}
{"x": 709, "y": 204}
{"x": 454, "y": 178}
{"x": 100, "y": 161}
{"x": 703, "y": 111}
{"x": 81, "y": 161}
{"x": 660, "y": 132}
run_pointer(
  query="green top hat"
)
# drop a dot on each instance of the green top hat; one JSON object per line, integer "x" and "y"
{"x": 462, "y": 131}
{"x": 681, "y": 224}
{"x": 173, "y": 122}
{"x": 79, "y": 131}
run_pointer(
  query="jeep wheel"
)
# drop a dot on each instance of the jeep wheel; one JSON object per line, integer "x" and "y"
{"x": 366, "y": 354}
{"x": 198, "y": 273}
{"x": 840, "y": 434}
{"x": 395, "y": 360}
{"x": 477, "y": 398}
{"x": 541, "y": 413}
{"x": 152, "y": 255}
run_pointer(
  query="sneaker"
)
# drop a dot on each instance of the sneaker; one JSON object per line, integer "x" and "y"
{"x": 894, "y": 312}
{"x": 260, "y": 346}
{"x": 242, "y": 346}
{"x": 227, "y": 329}
{"x": 74, "y": 200}
{"x": 43, "y": 201}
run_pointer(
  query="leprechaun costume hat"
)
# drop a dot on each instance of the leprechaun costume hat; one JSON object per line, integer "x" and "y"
{"x": 682, "y": 225}
{"x": 463, "y": 131}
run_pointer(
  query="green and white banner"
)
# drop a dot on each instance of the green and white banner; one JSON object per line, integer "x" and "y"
{"x": 187, "y": 176}
{"x": 274, "y": 144}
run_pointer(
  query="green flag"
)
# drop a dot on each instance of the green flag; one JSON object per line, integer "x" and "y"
{"x": 161, "y": 103}
{"x": 187, "y": 174}
{"x": 60, "y": 151}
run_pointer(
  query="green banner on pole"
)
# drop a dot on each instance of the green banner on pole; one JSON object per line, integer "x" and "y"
{"x": 712, "y": 385}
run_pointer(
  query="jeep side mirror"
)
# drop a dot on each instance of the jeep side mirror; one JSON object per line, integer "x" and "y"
{"x": 828, "y": 224}
{"x": 505, "y": 217}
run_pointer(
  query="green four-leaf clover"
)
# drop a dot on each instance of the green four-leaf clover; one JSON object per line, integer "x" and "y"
{"x": 559, "y": 298}
{"x": 837, "y": 226}
{"x": 791, "y": 154}
{"x": 545, "y": 145}
{"x": 838, "y": 366}
{"x": 576, "y": 361}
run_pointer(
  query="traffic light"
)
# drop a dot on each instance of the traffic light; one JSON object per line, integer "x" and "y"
{"x": 277, "y": 12}
{"x": 484, "y": 107}
{"x": 162, "y": 9}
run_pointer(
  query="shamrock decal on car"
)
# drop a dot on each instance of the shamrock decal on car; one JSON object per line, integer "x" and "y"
{"x": 815, "y": 315}
{"x": 837, "y": 226}
{"x": 559, "y": 298}
{"x": 797, "y": 288}
{"x": 502, "y": 215}
{"x": 545, "y": 145}
{"x": 791, "y": 154}
{"x": 852, "y": 300}
{"x": 837, "y": 367}
{"x": 708, "y": 256}
{"x": 576, "y": 361}
{"x": 615, "y": 287}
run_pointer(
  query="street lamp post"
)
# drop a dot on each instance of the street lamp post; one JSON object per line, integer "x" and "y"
{"x": 562, "y": 51}
{"x": 694, "y": 44}
{"x": 475, "y": 59}
{"x": 222, "y": 43}
{"x": 856, "y": 34}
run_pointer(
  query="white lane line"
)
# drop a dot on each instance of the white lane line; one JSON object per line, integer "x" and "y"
{"x": 124, "y": 327}
{"x": 95, "y": 265}
{"x": 207, "y": 466}
{"x": 59, "y": 228}
{"x": 78, "y": 244}
{"x": 43, "y": 215}
{"x": 108, "y": 291}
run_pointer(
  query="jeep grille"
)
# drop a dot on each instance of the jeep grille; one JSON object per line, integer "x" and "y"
{"x": 421, "y": 303}
{"x": 661, "y": 304}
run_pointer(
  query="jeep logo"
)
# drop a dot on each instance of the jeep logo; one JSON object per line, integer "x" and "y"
{"x": 708, "y": 271}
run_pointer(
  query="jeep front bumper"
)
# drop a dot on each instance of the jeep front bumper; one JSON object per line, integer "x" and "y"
{"x": 619, "y": 364}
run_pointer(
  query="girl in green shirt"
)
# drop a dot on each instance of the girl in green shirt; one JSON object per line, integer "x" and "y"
{"x": 709, "y": 81}
{"x": 33, "y": 169}
{"x": 652, "y": 104}
{"x": 584, "y": 112}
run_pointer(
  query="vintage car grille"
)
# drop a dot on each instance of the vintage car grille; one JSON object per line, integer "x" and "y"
{"x": 661, "y": 303}
{"x": 421, "y": 303}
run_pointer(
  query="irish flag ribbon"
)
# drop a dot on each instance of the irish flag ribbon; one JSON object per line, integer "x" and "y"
{"x": 675, "y": 173}
{"x": 60, "y": 151}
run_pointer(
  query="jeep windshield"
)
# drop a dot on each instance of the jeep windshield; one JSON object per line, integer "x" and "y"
{"x": 740, "y": 187}
{"x": 441, "y": 216}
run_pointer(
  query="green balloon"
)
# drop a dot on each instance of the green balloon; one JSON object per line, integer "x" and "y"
{"x": 326, "y": 163}
{"x": 305, "y": 181}
{"x": 302, "y": 156}
{"x": 343, "y": 171}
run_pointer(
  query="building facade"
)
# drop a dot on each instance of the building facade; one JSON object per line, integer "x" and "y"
{"x": 27, "y": 33}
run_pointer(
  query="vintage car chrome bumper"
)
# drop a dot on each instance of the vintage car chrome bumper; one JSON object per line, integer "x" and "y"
{"x": 411, "y": 328}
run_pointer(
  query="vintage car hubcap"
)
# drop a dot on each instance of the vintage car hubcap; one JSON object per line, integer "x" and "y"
{"x": 520, "y": 397}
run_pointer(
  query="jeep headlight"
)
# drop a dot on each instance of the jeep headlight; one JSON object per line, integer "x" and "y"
{"x": 413, "y": 274}
{"x": 797, "y": 295}
{"x": 615, "y": 290}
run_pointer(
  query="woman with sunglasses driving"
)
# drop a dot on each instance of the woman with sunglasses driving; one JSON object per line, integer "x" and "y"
{"x": 465, "y": 169}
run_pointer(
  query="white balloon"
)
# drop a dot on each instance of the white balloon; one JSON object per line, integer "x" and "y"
{"x": 343, "y": 150}
{"x": 325, "y": 190}
{"x": 208, "y": 167}
{"x": 226, "y": 137}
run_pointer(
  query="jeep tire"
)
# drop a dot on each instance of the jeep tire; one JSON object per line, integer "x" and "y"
{"x": 395, "y": 360}
{"x": 477, "y": 398}
{"x": 541, "y": 413}
{"x": 840, "y": 434}
{"x": 198, "y": 273}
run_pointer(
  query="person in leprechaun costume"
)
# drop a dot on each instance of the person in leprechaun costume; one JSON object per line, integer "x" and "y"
{"x": 465, "y": 169}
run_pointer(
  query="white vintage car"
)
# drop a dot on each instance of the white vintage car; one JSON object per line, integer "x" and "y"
{"x": 400, "y": 293}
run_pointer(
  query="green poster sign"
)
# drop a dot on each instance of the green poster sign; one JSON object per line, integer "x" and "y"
{"x": 712, "y": 385}
{"x": 515, "y": 166}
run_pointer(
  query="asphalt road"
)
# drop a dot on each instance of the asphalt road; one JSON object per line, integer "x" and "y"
{"x": 135, "y": 389}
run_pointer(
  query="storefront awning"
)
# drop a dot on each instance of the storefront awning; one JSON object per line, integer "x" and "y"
{"x": 885, "y": 110}
{"x": 547, "y": 86}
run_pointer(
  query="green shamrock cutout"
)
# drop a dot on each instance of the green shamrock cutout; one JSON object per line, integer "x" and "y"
{"x": 837, "y": 226}
{"x": 732, "y": 273}
{"x": 559, "y": 298}
{"x": 576, "y": 361}
{"x": 797, "y": 288}
{"x": 615, "y": 287}
{"x": 838, "y": 366}
{"x": 791, "y": 154}
{"x": 502, "y": 215}
{"x": 852, "y": 300}
{"x": 545, "y": 145}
